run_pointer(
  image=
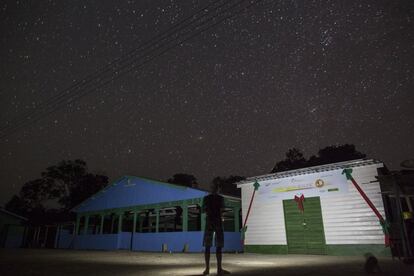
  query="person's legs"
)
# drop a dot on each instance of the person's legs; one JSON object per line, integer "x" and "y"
{"x": 207, "y": 259}
{"x": 219, "y": 258}
{"x": 219, "y": 245}
{"x": 207, "y": 242}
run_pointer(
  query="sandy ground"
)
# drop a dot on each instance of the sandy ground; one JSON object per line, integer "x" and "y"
{"x": 72, "y": 262}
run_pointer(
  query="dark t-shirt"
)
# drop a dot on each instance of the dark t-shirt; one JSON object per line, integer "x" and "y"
{"x": 213, "y": 205}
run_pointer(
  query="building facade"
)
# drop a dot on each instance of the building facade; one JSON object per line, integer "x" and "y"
{"x": 13, "y": 229}
{"x": 315, "y": 210}
{"x": 145, "y": 215}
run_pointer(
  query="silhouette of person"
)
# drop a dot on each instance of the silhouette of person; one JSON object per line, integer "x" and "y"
{"x": 213, "y": 205}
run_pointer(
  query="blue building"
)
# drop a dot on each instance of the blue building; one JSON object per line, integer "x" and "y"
{"x": 13, "y": 229}
{"x": 140, "y": 214}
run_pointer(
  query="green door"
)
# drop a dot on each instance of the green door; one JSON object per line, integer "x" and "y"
{"x": 304, "y": 231}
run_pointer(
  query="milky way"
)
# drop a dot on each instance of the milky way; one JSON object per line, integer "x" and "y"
{"x": 231, "y": 100}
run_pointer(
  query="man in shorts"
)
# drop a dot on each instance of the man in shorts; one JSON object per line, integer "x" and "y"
{"x": 213, "y": 206}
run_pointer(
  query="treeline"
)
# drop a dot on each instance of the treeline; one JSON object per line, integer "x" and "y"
{"x": 67, "y": 184}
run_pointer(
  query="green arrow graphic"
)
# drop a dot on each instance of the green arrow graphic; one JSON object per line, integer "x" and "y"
{"x": 256, "y": 185}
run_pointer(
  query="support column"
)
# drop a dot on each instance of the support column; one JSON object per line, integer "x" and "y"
{"x": 35, "y": 238}
{"x": 203, "y": 215}
{"x": 203, "y": 221}
{"x": 120, "y": 223}
{"x": 184, "y": 206}
{"x": 102, "y": 224}
{"x": 24, "y": 236}
{"x": 134, "y": 226}
{"x": 149, "y": 225}
{"x": 77, "y": 225}
{"x": 134, "y": 230}
{"x": 45, "y": 237}
{"x": 57, "y": 236}
{"x": 141, "y": 221}
{"x": 236, "y": 211}
{"x": 86, "y": 225}
{"x": 112, "y": 223}
{"x": 157, "y": 219}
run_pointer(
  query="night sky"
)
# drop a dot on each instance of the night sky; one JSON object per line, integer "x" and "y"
{"x": 231, "y": 100}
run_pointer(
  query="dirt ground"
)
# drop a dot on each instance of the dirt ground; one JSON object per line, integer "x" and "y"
{"x": 73, "y": 262}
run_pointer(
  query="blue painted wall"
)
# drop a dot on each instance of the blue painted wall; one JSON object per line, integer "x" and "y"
{"x": 135, "y": 191}
{"x": 14, "y": 241}
{"x": 125, "y": 241}
{"x": 148, "y": 241}
{"x": 99, "y": 242}
{"x": 132, "y": 191}
{"x": 176, "y": 241}
{"x": 65, "y": 239}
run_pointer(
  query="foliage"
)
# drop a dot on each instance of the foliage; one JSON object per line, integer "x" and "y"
{"x": 60, "y": 188}
{"x": 184, "y": 179}
{"x": 331, "y": 154}
{"x": 294, "y": 160}
{"x": 227, "y": 184}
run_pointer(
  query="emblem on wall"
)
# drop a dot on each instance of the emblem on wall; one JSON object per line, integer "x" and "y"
{"x": 319, "y": 183}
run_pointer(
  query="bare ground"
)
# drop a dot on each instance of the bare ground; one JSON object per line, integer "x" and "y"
{"x": 73, "y": 262}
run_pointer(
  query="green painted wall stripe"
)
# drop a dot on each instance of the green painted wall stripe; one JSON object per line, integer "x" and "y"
{"x": 266, "y": 249}
{"x": 334, "y": 250}
{"x": 358, "y": 249}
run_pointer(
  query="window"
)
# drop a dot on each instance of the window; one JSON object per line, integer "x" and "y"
{"x": 81, "y": 225}
{"x": 94, "y": 225}
{"x": 228, "y": 220}
{"x": 194, "y": 218}
{"x": 127, "y": 221}
{"x": 146, "y": 221}
{"x": 171, "y": 219}
{"x": 68, "y": 228}
{"x": 111, "y": 224}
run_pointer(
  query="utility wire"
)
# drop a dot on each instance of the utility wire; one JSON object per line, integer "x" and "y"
{"x": 95, "y": 75}
{"x": 117, "y": 75}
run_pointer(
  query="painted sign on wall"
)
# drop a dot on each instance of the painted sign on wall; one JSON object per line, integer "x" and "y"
{"x": 310, "y": 185}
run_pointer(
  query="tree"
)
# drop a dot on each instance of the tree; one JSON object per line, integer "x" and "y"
{"x": 184, "y": 179}
{"x": 227, "y": 184}
{"x": 70, "y": 183}
{"x": 331, "y": 154}
{"x": 64, "y": 186}
{"x": 294, "y": 160}
{"x": 17, "y": 205}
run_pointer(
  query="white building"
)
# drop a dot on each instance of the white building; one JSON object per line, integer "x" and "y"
{"x": 335, "y": 220}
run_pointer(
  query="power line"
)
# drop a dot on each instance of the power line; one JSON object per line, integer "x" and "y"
{"x": 118, "y": 73}
{"x": 96, "y": 74}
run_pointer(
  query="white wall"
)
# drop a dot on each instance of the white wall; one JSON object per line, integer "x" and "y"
{"x": 266, "y": 222}
{"x": 347, "y": 218}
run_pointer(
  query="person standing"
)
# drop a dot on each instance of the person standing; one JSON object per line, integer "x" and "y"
{"x": 213, "y": 206}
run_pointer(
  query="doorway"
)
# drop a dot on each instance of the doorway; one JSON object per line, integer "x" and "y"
{"x": 304, "y": 230}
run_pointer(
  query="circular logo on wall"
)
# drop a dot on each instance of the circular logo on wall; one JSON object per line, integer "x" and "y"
{"x": 319, "y": 183}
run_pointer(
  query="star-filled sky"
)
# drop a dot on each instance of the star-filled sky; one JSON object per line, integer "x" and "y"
{"x": 230, "y": 100}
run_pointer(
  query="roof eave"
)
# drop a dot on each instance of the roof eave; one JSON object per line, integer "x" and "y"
{"x": 313, "y": 169}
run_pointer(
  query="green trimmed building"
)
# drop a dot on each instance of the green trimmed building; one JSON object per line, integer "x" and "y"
{"x": 141, "y": 214}
{"x": 315, "y": 210}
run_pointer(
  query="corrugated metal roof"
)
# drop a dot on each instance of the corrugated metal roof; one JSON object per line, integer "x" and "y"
{"x": 132, "y": 191}
{"x": 309, "y": 170}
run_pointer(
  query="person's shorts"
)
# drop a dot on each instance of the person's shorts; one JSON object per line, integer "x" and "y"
{"x": 208, "y": 235}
